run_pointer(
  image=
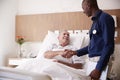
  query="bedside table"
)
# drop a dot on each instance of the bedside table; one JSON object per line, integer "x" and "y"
{"x": 13, "y": 62}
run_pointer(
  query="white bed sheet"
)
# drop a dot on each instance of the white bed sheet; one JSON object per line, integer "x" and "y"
{"x": 56, "y": 70}
{"x": 7, "y": 73}
{"x": 59, "y": 71}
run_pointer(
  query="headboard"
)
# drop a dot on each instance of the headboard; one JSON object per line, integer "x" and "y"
{"x": 35, "y": 27}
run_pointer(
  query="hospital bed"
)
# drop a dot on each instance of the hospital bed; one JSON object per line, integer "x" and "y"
{"x": 77, "y": 37}
{"x": 7, "y": 73}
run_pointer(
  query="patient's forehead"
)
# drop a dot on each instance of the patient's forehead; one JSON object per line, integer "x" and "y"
{"x": 64, "y": 32}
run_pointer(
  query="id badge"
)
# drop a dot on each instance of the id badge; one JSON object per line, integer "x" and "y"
{"x": 94, "y": 31}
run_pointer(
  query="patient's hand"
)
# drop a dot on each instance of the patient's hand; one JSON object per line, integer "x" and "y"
{"x": 69, "y": 53}
{"x": 76, "y": 65}
{"x": 55, "y": 60}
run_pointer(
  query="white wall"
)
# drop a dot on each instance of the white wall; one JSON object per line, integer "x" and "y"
{"x": 53, "y": 6}
{"x": 8, "y": 10}
{"x": 48, "y": 6}
{"x": 109, "y": 4}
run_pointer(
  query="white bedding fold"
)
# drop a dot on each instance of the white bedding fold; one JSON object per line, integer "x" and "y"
{"x": 56, "y": 70}
{"x": 7, "y": 73}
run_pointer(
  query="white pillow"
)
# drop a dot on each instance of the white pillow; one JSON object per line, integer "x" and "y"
{"x": 50, "y": 38}
{"x": 86, "y": 40}
{"x": 30, "y": 49}
{"x": 76, "y": 40}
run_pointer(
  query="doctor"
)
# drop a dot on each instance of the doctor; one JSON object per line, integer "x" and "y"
{"x": 101, "y": 34}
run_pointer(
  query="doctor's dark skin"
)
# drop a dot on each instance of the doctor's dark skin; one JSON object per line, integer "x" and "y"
{"x": 90, "y": 10}
{"x": 101, "y": 38}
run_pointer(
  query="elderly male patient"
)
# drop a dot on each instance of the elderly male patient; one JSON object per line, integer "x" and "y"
{"x": 62, "y": 68}
{"x": 57, "y": 50}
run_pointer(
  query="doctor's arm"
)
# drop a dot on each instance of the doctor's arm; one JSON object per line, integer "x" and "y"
{"x": 82, "y": 51}
{"x": 69, "y": 53}
{"x": 108, "y": 36}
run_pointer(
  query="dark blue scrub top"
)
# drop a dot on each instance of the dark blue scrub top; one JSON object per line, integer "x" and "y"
{"x": 101, "y": 39}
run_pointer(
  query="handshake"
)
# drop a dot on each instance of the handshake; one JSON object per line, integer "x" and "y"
{"x": 68, "y": 53}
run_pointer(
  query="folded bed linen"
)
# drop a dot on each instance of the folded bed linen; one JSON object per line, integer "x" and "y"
{"x": 7, "y": 73}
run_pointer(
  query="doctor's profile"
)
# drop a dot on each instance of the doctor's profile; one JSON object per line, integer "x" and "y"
{"x": 101, "y": 33}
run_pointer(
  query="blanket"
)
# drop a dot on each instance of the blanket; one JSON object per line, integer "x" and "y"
{"x": 56, "y": 70}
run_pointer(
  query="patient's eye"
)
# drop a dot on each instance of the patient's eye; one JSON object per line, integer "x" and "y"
{"x": 66, "y": 34}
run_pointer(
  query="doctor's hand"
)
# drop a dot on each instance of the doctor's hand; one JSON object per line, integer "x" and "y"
{"x": 69, "y": 53}
{"x": 95, "y": 74}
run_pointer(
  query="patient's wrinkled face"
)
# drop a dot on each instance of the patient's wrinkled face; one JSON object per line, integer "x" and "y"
{"x": 64, "y": 38}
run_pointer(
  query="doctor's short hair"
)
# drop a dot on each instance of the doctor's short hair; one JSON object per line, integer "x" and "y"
{"x": 92, "y": 3}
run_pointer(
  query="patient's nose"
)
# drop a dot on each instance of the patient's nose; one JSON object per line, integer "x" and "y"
{"x": 67, "y": 35}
